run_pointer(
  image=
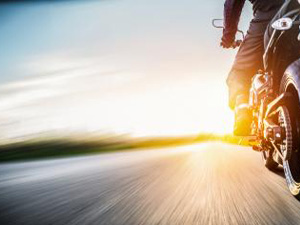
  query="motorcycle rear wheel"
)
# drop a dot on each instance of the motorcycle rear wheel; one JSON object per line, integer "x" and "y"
{"x": 290, "y": 83}
{"x": 292, "y": 165}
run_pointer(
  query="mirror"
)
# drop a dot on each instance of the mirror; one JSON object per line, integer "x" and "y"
{"x": 217, "y": 23}
{"x": 283, "y": 24}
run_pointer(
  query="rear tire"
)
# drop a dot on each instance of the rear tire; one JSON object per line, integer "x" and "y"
{"x": 291, "y": 83}
{"x": 291, "y": 166}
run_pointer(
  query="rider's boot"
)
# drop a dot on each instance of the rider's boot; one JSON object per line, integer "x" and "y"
{"x": 243, "y": 117}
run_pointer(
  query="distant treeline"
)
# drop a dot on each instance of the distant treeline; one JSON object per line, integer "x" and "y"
{"x": 37, "y": 148}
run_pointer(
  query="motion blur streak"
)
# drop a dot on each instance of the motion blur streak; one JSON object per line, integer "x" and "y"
{"x": 201, "y": 184}
{"x": 138, "y": 67}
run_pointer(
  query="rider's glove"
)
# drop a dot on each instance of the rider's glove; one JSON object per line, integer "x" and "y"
{"x": 227, "y": 40}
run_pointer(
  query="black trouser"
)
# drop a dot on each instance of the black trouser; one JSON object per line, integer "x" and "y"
{"x": 249, "y": 58}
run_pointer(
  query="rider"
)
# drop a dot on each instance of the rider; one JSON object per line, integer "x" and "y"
{"x": 249, "y": 57}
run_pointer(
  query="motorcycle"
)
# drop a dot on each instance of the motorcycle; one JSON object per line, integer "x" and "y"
{"x": 275, "y": 99}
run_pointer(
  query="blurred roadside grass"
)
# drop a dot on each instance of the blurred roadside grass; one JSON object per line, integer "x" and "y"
{"x": 62, "y": 147}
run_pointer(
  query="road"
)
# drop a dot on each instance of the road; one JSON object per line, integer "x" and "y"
{"x": 210, "y": 183}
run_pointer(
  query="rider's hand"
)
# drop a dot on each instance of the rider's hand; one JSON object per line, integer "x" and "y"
{"x": 227, "y": 40}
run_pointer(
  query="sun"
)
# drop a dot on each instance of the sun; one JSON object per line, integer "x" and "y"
{"x": 185, "y": 108}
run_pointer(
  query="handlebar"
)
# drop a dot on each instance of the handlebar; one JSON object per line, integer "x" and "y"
{"x": 215, "y": 24}
{"x": 236, "y": 43}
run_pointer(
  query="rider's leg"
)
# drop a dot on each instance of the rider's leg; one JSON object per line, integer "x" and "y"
{"x": 238, "y": 100}
{"x": 238, "y": 82}
{"x": 249, "y": 58}
{"x": 247, "y": 62}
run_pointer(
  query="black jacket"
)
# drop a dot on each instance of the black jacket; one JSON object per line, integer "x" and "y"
{"x": 233, "y": 9}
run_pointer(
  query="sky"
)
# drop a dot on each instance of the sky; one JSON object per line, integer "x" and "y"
{"x": 136, "y": 67}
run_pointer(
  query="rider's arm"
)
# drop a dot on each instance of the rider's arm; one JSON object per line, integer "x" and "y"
{"x": 232, "y": 13}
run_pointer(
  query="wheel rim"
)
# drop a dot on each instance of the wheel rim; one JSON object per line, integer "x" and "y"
{"x": 291, "y": 166}
{"x": 284, "y": 120}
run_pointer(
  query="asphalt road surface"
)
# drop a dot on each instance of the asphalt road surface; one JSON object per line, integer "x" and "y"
{"x": 210, "y": 183}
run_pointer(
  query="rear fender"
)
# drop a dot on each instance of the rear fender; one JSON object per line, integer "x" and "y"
{"x": 291, "y": 78}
